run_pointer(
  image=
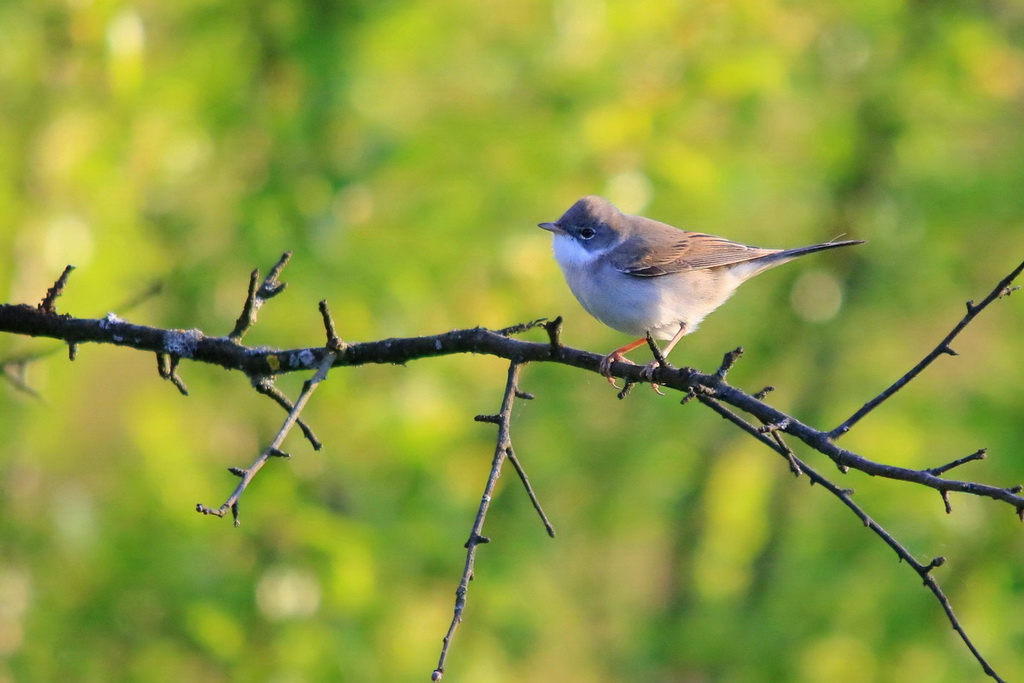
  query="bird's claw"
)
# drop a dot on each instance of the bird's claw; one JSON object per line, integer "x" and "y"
{"x": 605, "y": 366}
{"x": 647, "y": 374}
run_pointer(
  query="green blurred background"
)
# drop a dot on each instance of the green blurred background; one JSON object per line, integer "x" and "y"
{"x": 405, "y": 151}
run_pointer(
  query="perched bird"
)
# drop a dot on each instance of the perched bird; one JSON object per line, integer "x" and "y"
{"x": 639, "y": 276}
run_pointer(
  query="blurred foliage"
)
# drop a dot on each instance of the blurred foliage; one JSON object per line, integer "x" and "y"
{"x": 404, "y": 151}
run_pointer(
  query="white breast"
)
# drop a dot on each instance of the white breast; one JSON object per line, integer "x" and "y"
{"x": 571, "y": 254}
{"x": 622, "y": 302}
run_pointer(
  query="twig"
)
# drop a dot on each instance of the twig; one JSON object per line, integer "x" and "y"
{"x": 257, "y": 296}
{"x": 333, "y": 340}
{"x": 47, "y": 304}
{"x": 14, "y": 371}
{"x": 502, "y": 450}
{"x": 167, "y": 365}
{"x": 554, "y": 330}
{"x": 1002, "y": 289}
{"x": 274, "y": 449}
{"x": 514, "y": 459}
{"x": 659, "y": 357}
{"x": 265, "y": 385}
{"x": 729, "y": 360}
{"x": 979, "y": 454}
{"x": 846, "y": 496}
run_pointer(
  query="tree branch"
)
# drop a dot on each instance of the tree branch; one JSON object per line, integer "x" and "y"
{"x": 846, "y": 496}
{"x": 258, "y": 363}
{"x": 262, "y": 365}
{"x": 1002, "y": 289}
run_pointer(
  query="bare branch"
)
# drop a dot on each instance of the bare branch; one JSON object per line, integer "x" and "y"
{"x": 194, "y": 345}
{"x": 258, "y": 296}
{"x": 514, "y": 459}
{"x": 554, "y": 330}
{"x": 712, "y": 390}
{"x": 333, "y": 341}
{"x": 274, "y": 449}
{"x": 1002, "y": 289}
{"x": 846, "y": 496}
{"x": 502, "y": 450}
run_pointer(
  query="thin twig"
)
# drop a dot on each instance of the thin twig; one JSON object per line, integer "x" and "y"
{"x": 47, "y": 304}
{"x": 502, "y": 450}
{"x": 554, "y": 330}
{"x": 274, "y": 449}
{"x": 333, "y": 340}
{"x": 14, "y": 371}
{"x": 1002, "y": 289}
{"x": 979, "y": 454}
{"x": 265, "y": 385}
{"x": 514, "y": 459}
{"x": 257, "y": 296}
{"x": 167, "y": 365}
{"x": 659, "y": 357}
{"x": 729, "y": 360}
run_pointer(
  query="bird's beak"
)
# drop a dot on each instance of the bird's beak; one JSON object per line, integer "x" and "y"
{"x": 552, "y": 227}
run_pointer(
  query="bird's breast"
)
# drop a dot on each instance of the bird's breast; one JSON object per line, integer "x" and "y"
{"x": 636, "y": 305}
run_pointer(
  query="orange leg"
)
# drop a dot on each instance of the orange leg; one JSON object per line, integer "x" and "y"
{"x": 605, "y": 367}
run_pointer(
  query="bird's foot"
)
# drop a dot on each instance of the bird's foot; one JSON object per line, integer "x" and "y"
{"x": 647, "y": 374}
{"x": 605, "y": 366}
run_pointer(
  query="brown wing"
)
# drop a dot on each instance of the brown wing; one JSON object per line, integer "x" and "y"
{"x": 662, "y": 253}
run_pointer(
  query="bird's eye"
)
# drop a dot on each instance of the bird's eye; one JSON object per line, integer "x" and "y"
{"x": 587, "y": 233}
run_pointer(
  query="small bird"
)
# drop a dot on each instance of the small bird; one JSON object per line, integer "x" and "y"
{"x": 639, "y": 276}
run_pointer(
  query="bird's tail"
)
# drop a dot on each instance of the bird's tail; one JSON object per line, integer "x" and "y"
{"x": 790, "y": 254}
{"x": 759, "y": 265}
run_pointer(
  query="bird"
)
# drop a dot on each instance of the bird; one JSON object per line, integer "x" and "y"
{"x": 640, "y": 276}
